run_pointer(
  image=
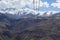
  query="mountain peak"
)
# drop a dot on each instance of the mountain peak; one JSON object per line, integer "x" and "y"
{"x": 27, "y": 11}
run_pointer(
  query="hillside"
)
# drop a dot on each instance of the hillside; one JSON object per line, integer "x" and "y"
{"x": 29, "y": 28}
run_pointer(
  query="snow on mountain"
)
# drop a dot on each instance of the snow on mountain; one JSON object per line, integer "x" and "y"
{"x": 27, "y": 11}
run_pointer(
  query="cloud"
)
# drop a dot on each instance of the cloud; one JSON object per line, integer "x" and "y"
{"x": 57, "y": 0}
{"x": 12, "y": 3}
{"x": 41, "y": 4}
{"x": 46, "y": 4}
{"x": 37, "y": 4}
{"x": 22, "y": 3}
{"x": 56, "y": 4}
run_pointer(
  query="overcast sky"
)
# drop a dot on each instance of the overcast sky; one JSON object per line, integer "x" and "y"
{"x": 42, "y": 5}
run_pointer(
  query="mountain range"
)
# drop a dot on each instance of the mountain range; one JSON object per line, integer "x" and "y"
{"x": 29, "y": 26}
{"x": 26, "y": 13}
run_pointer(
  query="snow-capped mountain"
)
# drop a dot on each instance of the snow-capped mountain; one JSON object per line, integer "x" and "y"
{"x": 15, "y": 13}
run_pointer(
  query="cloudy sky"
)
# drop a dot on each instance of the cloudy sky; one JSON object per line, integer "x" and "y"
{"x": 41, "y": 5}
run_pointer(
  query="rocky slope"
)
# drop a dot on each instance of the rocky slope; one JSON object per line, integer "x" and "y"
{"x": 29, "y": 28}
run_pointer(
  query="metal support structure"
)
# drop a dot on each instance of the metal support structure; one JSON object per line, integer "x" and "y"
{"x": 36, "y": 6}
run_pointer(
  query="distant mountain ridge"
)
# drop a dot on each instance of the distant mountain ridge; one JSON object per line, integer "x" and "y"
{"x": 28, "y": 13}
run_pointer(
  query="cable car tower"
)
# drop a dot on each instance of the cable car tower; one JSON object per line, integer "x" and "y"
{"x": 36, "y": 5}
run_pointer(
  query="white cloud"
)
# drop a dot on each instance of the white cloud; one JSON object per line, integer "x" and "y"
{"x": 22, "y": 3}
{"x": 42, "y": 4}
{"x": 46, "y": 4}
{"x": 56, "y": 4}
{"x": 13, "y": 3}
{"x": 57, "y": 0}
{"x": 37, "y": 4}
